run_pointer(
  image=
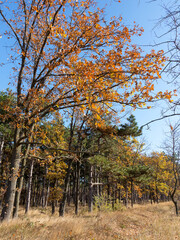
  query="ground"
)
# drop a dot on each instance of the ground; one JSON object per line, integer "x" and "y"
{"x": 143, "y": 222}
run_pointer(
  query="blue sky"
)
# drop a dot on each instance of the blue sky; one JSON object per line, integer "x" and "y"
{"x": 146, "y": 15}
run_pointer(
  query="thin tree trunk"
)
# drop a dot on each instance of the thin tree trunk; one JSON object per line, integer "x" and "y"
{"x": 157, "y": 199}
{"x": 100, "y": 180}
{"x": 70, "y": 192}
{"x": 84, "y": 188}
{"x": 172, "y": 195}
{"x": 28, "y": 199}
{"x": 67, "y": 178}
{"x": 175, "y": 205}
{"x": 53, "y": 206}
{"x": 90, "y": 202}
{"x": 132, "y": 192}
{"x": 74, "y": 185}
{"x": 66, "y": 185}
{"x": 126, "y": 197}
{"x": 97, "y": 181}
{"x": 1, "y": 149}
{"x": 119, "y": 195}
{"x": 108, "y": 190}
{"x": 34, "y": 191}
{"x": 47, "y": 194}
{"x": 113, "y": 197}
{"x": 20, "y": 185}
{"x": 77, "y": 187}
{"x": 43, "y": 196}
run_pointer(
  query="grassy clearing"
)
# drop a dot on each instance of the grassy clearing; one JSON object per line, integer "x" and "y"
{"x": 145, "y": 222}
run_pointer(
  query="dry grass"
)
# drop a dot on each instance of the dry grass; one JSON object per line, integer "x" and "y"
{"x": 145, "y": 222}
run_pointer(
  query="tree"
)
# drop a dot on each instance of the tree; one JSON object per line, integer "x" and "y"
{"x": 69, "y": 55}
{"x": 171, "y": 23}
{"x": 118, "y": 157}
{"x": 172, "y": 148}
{"x": 7, "y": 102}
{"x": 169, "y": 40}
{"x": 130, "y": 129}
{"x": 161, "y": 173}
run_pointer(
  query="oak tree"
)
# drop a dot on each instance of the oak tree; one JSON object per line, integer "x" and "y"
{"x": 68, "y": 54}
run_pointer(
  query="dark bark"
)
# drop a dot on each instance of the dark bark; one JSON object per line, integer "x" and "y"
{"x": 84, "y": 188}
{"x": 74, "y": 186}
{"x": 100, "y": 180}
{"x": 70, "y": 193}
{"x": 47, "y": 194}
{"x": 53, "y": 207}
{"x": 77, "y": 187}
{"x": 90, "y": 201}
{"x": 43, "y": 195}
{"x": 108, "y": 190}
{"x": 172, "y": 195}
{"x": 14, "y": 169}
{"x": 34, "y": 197}
{"x": 126, "y": 196}
{"x": 113, "y": 198}
{"x": 119, "y": 197}
{"x": 175, "y": 205}
{"x": 65, "y": 192}
{"x": 20, "y": 184}
{"x": 132, "y": 194}
{"x": 67, "y": 178}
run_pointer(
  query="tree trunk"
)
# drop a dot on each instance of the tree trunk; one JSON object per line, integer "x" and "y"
{"x": 126, "y": 197}
{"x": 43, "y": 196}
{"x": 77, "y": 187}
{"x": 173, "y": 194}
{"x": 108, "y": 190}
{"x": 119, "y": 195}
{"x": 90, "y": 202}
{"x": 20, "y": 185}
{"x": 47, "y": 194}
{"x": 113, "y": 197}
{"x": 132, "y": 192}
{"x": 18, "y": 191}
{"x": 100, "y": 180}
{"x": 66, "y": 185}
{"x": 11, "y": 189}
{"x": 84, "y": 188}
{"x": 28, "y": 199}
{"x": 1, "y": 149}
{"x": 53, "y": 207}
{"x": 69, "y": 194}
{"x": 34, "y": 197}
{"x": 176, "y": 206}
{"x": 74, "y": 185}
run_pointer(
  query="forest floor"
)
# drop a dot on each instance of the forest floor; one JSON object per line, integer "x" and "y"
{"x": 143, "y": 222}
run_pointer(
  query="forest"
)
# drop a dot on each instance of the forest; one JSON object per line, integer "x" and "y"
{"x": 68, "y": 138}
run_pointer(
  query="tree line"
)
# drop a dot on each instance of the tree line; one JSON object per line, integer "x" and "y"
{"x": 71, "y": 61}
{"x": 83, "y": 164}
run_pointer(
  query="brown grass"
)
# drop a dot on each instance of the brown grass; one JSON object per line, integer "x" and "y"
{"x": 145, "y": 222}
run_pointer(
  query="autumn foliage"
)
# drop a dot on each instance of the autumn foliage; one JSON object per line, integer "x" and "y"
{"x": 70, "y": 57}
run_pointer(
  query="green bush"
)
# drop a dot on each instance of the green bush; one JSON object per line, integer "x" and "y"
{"x": 104, "y": 203}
